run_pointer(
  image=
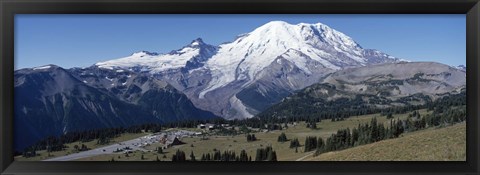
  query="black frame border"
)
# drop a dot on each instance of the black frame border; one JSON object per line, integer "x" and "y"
{"x": 8, "y": 9}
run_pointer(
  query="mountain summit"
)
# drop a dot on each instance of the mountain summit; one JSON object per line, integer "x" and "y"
{"x": 240, "y": 78}
{"x": 248, "y": 55}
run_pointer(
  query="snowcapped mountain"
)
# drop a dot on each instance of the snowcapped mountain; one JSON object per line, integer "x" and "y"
{"x": 462, "y": 68}
{"x": 244, "y": 58}
{"x": 241, "y": 78}
{"x": 190, "y": 56}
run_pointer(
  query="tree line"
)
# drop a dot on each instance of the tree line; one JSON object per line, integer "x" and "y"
{"x": 57, "y": 143}
{"x": 262, "y": 154}
{"x": 215, "y": 156}
{"x": 374, "y": 131}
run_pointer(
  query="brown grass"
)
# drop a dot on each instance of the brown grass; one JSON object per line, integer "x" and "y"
{"x": 237, "y": 143}
{"x": 433, "y": 144}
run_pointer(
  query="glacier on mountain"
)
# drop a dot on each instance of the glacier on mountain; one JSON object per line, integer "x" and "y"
{"x": 303, "y": 52}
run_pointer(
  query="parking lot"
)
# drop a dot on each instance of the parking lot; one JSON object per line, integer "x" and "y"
{"x": 130, "y": 145}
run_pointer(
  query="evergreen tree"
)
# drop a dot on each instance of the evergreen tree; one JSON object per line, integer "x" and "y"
{"x": 251, "y": 137}
{"x": 310, "y": 143}
{"x": 389, "y": 115}
{"x": 272, "y": 156}
{"x": 282, "y": 138}
{"x": 208, "y": 157}
{"x": 266, "y": 154}
{"x": 374, "y": 133}
{"x": 259, "y": 154}
{"x": 179, "y": 156}
{"x": 321, "y": 144}
{"x": 294, "y": 143}
{"x": 192, "y": 156}
{"x": 313, "y": 125}
{"x": 243, "y": 156}
{"x": 159, "y": 150}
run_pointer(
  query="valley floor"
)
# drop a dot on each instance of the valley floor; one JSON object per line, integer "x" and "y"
{"x": 446, "y": 143}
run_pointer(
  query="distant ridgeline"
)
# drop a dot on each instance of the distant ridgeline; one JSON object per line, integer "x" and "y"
{"x": 52, "y": 101}
{"x": 387, "y": 88}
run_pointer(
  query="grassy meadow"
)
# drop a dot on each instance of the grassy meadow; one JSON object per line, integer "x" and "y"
{"x": 236, "y": 143}
{"x": 432, "y": 144}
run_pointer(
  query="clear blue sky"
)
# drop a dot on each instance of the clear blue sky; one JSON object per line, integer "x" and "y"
{"x": 82, "y": 40}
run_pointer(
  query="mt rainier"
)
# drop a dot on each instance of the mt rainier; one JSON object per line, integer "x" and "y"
{"x": 241, "y": 78}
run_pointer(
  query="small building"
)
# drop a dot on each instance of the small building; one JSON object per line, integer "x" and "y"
{"x": 163, "y": 140}
{"x": 211, "y": 128}
{"x": 206, "y": 126}
{"x": 172, "y": 142}
{"x": 253, "y": 129}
